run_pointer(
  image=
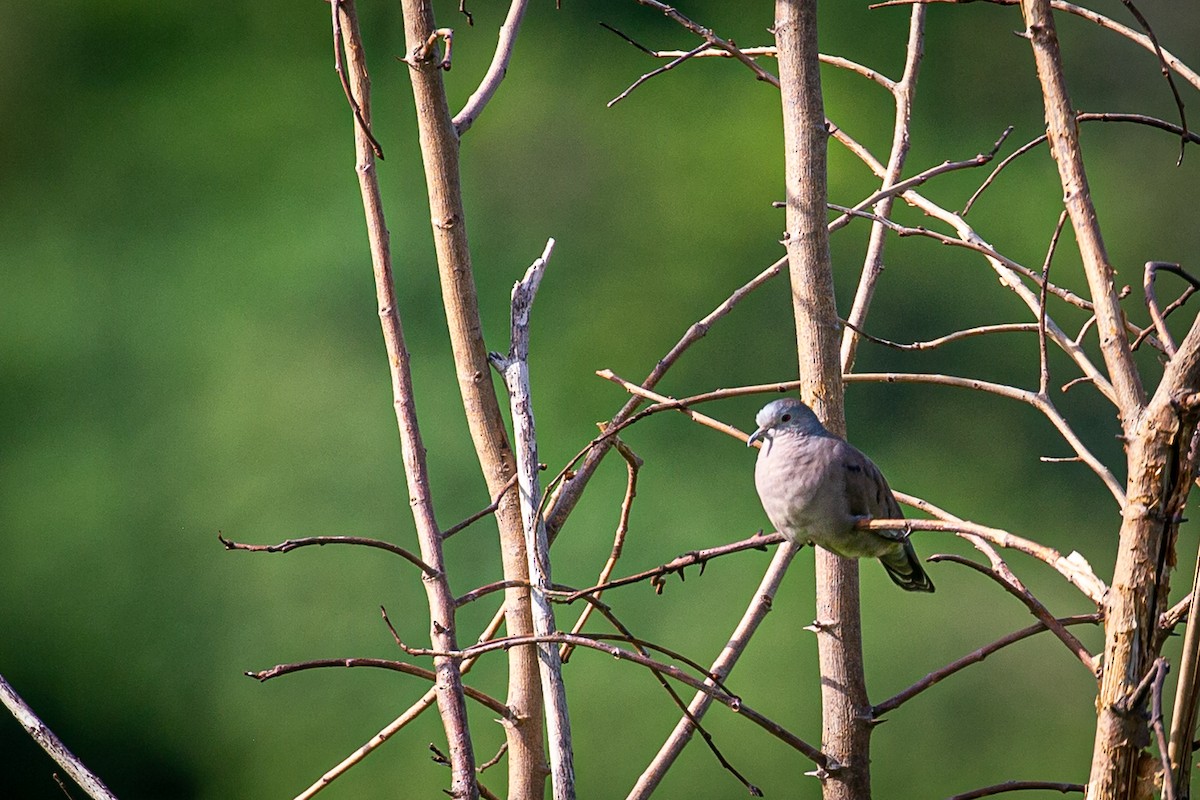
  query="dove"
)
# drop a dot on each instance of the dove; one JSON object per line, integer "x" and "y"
{"x": 815, "y": 486}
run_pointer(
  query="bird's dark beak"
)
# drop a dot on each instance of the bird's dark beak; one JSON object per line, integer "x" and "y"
{"x": 757, "y": 436}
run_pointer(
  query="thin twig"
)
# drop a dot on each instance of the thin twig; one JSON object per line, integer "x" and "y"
{"x": 308, "y": 541}
{"x": 1160, "y": 669}
{"x": 1074, "y": 567}
{"x": 496, "y": 71}
{"x": 1140, "y": 119}
{"x": 903, "y": 186}
{"x": 733, "y": 702}
{"x": 335, "y": 8}
{"x": 633, "y": 463}
{"x": 930, "y": 344}
{"x": 396, "y": 725}
{"x": 647, "y": 76}
{"x": 607, "y": 612}
{"x": 483, "y": 512}
{"x": 1017, "y": 786}
{"x": 755, "y": 612}
{"x": 973, "y": 657}
{"x": 279, "y": 670}
{"x": 1187, "y": 689}
{"x": 1043, "y": 364}
{"x": 678, "y": 564}
{"x": 1158, "y": 317}
{"x": 1166, "y": 72}
{"x": 1035, "y": 607}
{"x": 712, "y": 39}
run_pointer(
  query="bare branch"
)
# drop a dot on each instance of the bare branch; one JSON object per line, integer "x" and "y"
{"x": 930, "y": 344}
{"x": 448, "y": 682}
{"x": 307, "y": 541}
{"x": 1041, "y": 402}
{"x": 733, "y": 702}
{"x": 1035, "y": 607}
{"x": 973, "y": 657}
{"x": 483, "y": 512}
{"x": 1063, "y": 133}
{"x": 1187, "y": 690}
{"x": 396, "y": 725}
{"x": 335, "y": 8}
{"x": 1017, "y": 786}
{"x": 653, "y": 73}
{"x": 494, "y": 705}
{"x": 677, "y": 565}
{"x": 41, "y": 733}
{"x": 496, "y": 71}
{"x": 1074, "y": 567}
{"x": 711, "y": 39}
{"x": 633, "y": 464}
{"x": 720, "y": 669}
{"x": 515, "y": 369}
{"x": 1140, "y": 119}
{"x": 890, "y": 191}
{"x": 1043, "y": 365}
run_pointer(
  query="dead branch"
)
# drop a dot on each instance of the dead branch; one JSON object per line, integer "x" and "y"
{"x": 496, "y": 71}
{"x": 307, "y": 541}
{"x": 720, "y": 669}
{"x": 677, "y": 566}
{"x": 494, "y": 705}
{"x": 1074, "y": 567}
{"x": 633, "y": 464}
{"x": 514, "y": 368}
{"x": 1016, "y": 786}
{"x": 1187, "y": 690}
{"x": 1035, "y": 607}
{"x": 41, "y": 733}
{"x": 731, "y": 701}
{"x": 974, "y": 657}
{"x": 490, "y": 508}
{"x": 396, "y": 725}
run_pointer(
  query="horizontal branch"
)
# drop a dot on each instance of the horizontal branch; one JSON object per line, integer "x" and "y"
{"x": 380, "y": 663}
{"x": 966, "y": 333}
{"x": 733, "y": 702}
{"x": 1039, "y": 401}
{"x": 1015, "y": 786}
{"x": 321, "y": 541}
{"x": 1074, "y": 567}
{"x": 677, "y": 565}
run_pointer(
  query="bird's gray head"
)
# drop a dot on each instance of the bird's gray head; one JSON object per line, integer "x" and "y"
{"x": 786, "y": 414}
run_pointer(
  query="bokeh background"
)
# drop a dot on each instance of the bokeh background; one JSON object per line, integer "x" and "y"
{"x": 189, "y": 344}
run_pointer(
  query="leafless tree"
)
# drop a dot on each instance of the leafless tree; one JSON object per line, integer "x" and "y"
{"x": 1138, "y": 749}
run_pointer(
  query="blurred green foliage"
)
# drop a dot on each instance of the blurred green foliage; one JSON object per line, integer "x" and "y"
{"x": 189, "y": 344}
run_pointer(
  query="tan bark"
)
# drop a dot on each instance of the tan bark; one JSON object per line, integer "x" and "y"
{"x": 440, "y": 151}
{"x": 845, "y": 708}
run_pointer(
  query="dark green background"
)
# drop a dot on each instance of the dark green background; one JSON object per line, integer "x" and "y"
{"x": 189, "y": 344}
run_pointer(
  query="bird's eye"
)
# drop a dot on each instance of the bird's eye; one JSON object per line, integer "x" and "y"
{"x": 786, "y": 418}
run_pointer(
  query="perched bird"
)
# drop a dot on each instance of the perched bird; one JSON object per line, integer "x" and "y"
{"x": 815, "y": 486}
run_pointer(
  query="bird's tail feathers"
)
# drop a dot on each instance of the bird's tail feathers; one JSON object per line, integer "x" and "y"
{"x": 905, "y": 570}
